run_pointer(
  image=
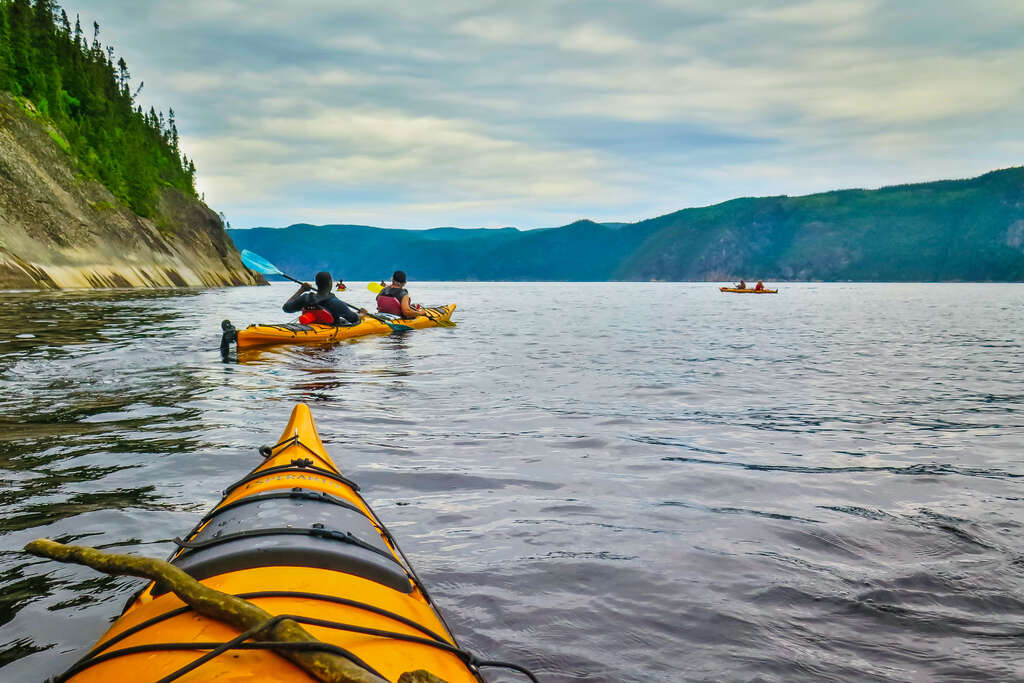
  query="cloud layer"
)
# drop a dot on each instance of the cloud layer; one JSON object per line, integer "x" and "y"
{"x": 536, "y": 114}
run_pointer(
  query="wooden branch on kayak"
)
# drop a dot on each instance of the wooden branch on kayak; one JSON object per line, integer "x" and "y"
{"x": 419, "y": 676}
{"x": 236, "y": 612}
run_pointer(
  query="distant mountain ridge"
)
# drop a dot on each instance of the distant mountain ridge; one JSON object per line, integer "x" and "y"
{"x": 949, "y": 230}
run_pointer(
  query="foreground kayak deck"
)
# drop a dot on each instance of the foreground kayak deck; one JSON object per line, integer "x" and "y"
{"x": 737, "y": 290}
{"x": 294, "y": 537}
{"x": 295, "y": 333}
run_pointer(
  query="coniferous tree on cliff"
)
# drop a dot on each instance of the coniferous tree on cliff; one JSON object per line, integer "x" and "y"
{"x": 86, "y": 94}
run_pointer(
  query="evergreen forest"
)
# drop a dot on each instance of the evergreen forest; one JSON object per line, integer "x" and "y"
{"x": 83, "y": 90}
{"x": 951, "y": 230}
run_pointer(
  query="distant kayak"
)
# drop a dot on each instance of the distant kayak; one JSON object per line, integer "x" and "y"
{"x": 296, "y": 333}
{"x": 737, "y": 290}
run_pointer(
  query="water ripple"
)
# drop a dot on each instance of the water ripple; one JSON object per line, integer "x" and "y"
{"x": 589, "y": 487}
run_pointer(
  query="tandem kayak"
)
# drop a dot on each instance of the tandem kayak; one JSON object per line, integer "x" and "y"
{"x": 737, "y": 290}
{"x": 294, "y": 537}
{"x": 296, "y": 333}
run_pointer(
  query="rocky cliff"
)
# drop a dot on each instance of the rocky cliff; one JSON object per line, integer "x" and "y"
{"x": 59, "y": 229}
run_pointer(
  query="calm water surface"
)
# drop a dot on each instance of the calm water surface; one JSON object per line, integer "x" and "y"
{"x": 632, "y": 482}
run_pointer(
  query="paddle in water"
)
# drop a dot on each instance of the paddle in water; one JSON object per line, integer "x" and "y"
{"x": 255, "y": 262}
{"x": 397, "y": 327}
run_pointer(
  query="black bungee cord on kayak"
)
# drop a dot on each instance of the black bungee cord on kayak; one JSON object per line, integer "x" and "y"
{"x": 98, "y": 655}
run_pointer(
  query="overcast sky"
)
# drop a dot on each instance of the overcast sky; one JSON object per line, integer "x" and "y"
{"x": 476, "y": 113}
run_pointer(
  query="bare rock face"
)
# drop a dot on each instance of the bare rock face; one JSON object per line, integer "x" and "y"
{"x": 59, "y": 229}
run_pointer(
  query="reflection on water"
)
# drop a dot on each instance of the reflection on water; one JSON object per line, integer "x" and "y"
{"x": 819, "y": 485}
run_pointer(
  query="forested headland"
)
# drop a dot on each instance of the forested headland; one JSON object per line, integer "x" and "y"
{"x": 94, "y": 190}
{"x": 67, "y": 77}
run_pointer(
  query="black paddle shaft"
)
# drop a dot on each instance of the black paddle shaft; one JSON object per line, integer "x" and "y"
{"x": 290, "y": 278}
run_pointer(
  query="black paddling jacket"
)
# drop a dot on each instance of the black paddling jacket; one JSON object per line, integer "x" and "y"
{"x": 330, "y": 303}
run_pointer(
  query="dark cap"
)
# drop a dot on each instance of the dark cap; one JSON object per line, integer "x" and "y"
{"x": 323, "y": 281}
{"x": 399, "y": 276}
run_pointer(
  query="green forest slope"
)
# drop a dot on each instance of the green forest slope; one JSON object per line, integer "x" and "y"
{"x": 94, "y": 192}
{"x": 947, "y": 230}
{"x": 578, "y": 252}
{"x": 951, "y": 230}
{"x": 77, "y": 89}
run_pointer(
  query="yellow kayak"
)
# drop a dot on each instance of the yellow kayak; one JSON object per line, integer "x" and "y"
{"x": 296, "y": 333}
{"x": 295, "y": 537}
{"x": 737, "y": 290}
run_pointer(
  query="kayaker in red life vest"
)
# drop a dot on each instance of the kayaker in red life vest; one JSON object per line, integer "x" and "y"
{"x": 321, "y": 306}
{"x": 759, "y": 286}
{"x": 394, "y": 299}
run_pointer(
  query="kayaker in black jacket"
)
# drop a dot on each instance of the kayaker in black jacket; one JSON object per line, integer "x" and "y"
{"x": 394, "y": 299}
{"x": 321, "y": 305}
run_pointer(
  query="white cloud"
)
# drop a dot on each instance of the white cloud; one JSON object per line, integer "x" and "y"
{"x": 815, "y": 12}
{"x": 197, "y": 81}
{"x": 868, "y": 92}
{"x": 499, "y": 30}
{"x": 595, "y": 38}
{"x": 519, "y": 113}
{"x": 583, "y": 37}
{"x": 371, "y": 45}
{"x": 372, "y": 148}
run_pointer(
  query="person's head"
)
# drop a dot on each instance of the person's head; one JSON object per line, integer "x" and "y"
{"x": 323, "y": 282}
{"x": 399, "y": 277}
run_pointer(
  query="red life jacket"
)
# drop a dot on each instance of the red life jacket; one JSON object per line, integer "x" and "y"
{"x": 316, "y": 315}
{"x": 389, "y": 304}
{"x": 390, "y": 300}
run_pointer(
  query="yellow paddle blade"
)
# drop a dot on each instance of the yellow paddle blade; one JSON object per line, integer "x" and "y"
{"x": 374, "y": 287}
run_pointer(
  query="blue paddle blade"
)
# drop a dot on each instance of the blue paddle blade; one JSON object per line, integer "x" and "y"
{"x": 258, "y": 263}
